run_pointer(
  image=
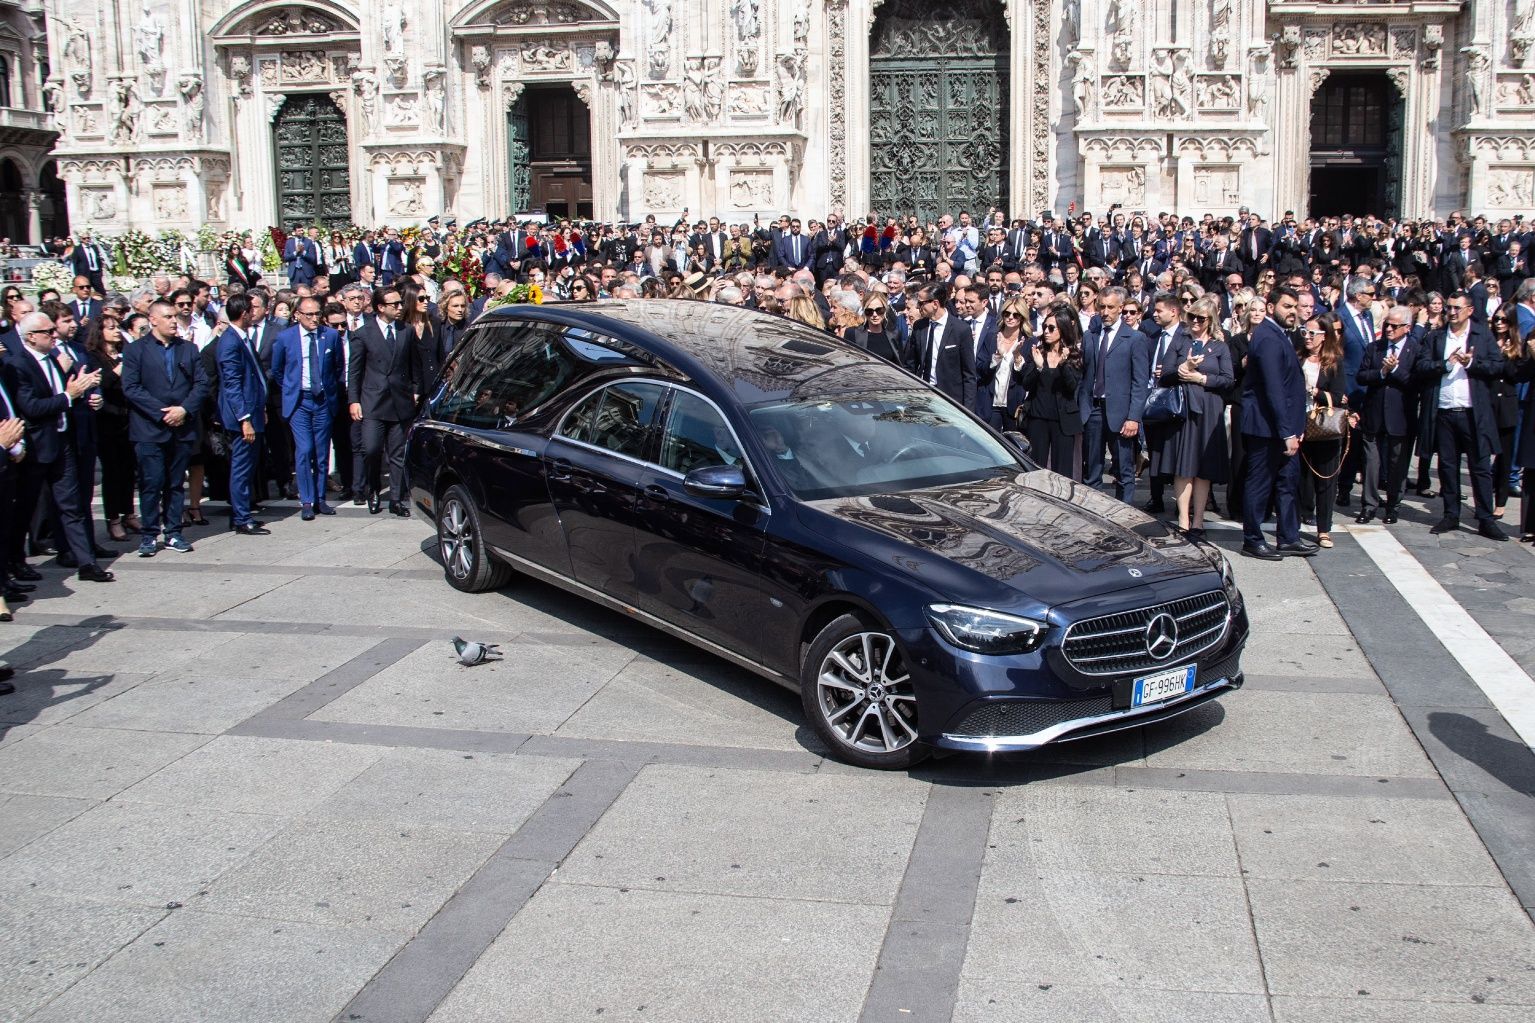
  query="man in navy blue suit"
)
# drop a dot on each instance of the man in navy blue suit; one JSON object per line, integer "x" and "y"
{"x": 306, "y": 365}
{"x": 362, "y": 253}
{"x": 793, "y": 248}
{"x": 166, "y": 386}
{"x": 390, "y": 257}
{"x": 84, "y": 307}
{"x": 89, "y": 260}
{"x": 302, "y": 255}
{"x": 941, "y": 352}
{"x": 1116, "y": 371}
{"x": 1273, "y": 423}
{"x": 1358, "y": 333}
{"x": 242, "y": 411}
{"x": 45, "y": 395}
{"x": 982, "y": 328}
{"x": 1388, "y": 417}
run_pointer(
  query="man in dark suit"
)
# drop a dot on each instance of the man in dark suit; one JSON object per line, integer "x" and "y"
{"x": 829, "y": 244}
{"x": 45, "y": 394}
{"x": 792, "y": 249}
{"x": 89, "y": 260}
{"x": 1116, "y": 369}
{"x": 382, "y": 389}
{"x": 13, "y": 522}
{"x": 307, "y": 367}
{"x": 1253, "y": 248}
{"x": 1163, "y": 329}
{"x": 85, "y": 307}
{"x": 1457, "y": 365}
{"x": 163, "y": 380}
{"x": 942, "y": 354}
{"x": 1219, "y": 262}
{"x": 70, "y": 354}
{"x": 362, "y": 253}
{"x": 1388, "y": 417}
{"x": 389, "y": 257}
{"x": 981, "y": 326}
{"x": 242, "y": 411}
{"x": 1273, "y": 423}
{"x": 301, "y": 254}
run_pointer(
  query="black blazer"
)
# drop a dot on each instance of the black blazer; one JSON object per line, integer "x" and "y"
{"x": 383, "y": 378}
{"x": 1390, "y": 399}
{"x": 39, "y": 406}
{"x": 1487, "y": 365}
{"x": 956, "y": 361}
{"x": 149, "y": 390}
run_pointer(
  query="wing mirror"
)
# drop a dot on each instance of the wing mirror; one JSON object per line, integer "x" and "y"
{"x": 719, "y": 482}
{"x": 1018, "y": 441}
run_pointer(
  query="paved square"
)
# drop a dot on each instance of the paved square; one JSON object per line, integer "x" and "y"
{"x": 274, "y": 795}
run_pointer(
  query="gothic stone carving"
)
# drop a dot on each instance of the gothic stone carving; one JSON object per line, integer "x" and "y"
{"x": 1516, "y": 91}
{"x": 751, "y": 189}
{"x": 1123, "y": 185}
{"x": 791, "y": 87}
{"x": 407, "y": 196}
{"x": 663, "y": 191}
{"x": 170, "y": 202}
{"x": 1124, "y": 92}
{"x": 1217, "y": 186}
{"x": 1511, "y": 186}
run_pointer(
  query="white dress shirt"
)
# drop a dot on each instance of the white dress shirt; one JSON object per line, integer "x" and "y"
{"x": 1455, "y": 392}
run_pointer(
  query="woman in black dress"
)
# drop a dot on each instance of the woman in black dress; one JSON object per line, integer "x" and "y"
{"x": 114, "y": 451}
{"x": 239, "y": 269}
{"x": 1195, "y": 454}
{"x": 878, "y": 335}
{"x": 1505, "y": 402}
{"x": 1049, "y": 371}
{"x": 1321, "y": 356}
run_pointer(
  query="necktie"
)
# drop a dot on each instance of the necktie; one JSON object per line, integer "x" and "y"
{"x": 796, "y": 248}
{"x": 81, "y": 307}
{"x": 316, "y": 387}
{"x": 56, "y": 381}
{"x": 90, "y": 257}
{"x": 1103, "y": 358}
{"x": 1156, "y": 366}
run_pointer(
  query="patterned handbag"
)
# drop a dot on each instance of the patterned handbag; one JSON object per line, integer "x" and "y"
{"x": 1326, "y": 422}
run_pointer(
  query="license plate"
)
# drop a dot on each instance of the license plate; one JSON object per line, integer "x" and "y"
{"x": 1163, "y": 685}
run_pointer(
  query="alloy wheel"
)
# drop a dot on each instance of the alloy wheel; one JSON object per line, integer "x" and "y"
{"x": 455, "y": 531}
{"x": 864, "y": 693}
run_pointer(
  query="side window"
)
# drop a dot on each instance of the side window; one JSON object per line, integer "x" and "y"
{"x": 511, "y": 369}
{"x": 623, "y": 421}
{"x": 578, "y": 422}
{"x": 696, "y": 437}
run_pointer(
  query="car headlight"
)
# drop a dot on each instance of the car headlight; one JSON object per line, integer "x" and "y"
{"x": 986, "y": 632}
{"x": 1229, "y": 584}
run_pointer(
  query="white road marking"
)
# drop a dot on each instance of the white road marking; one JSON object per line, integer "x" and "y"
{"x": 1498, "y": 675}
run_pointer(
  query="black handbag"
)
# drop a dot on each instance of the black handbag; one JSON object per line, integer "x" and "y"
{"x": 1166, "y": 405}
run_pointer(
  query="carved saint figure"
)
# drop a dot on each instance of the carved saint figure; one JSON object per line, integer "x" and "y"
{"x": 801, "y": 23}
{"x": 149, "y": 35}
{"x": 365, "y": 84}
{"x": 1119, "y": 17}
{"x": 693, "y": 90}
{"x": 1081, "y": 84}
{"x": 747, "y": 15}
{"x": 435, "y": 103}
{"x": 123, "y": 109}
{"x": 191, "y": 88}
{"x": 394, "y": 28}
{"x": 1477, "y": 63}
{"x": 791, "y": 87}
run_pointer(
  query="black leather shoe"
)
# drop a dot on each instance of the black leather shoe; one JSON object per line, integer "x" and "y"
{"x": 105, "y": 552}
{"x": 1445, "y": 526}
{"x": 324, "y": 509}
{"x": 307, "y": 514}
{"x": 6, "y": 689}
{"x": 1389, "y": 518}
{"x": 1298, "y": 549}
{"x": 359, "y": 499}
{"x": 25, "y": 572}
{"x": 374, "y": 504}
{"x": 7, "y": 672}
{"x": 16, "y": 597}
{"x": 1261, "y": 551}
{"x": 12, "y": 584}
{"x": 67, "y": 561}
{"x": 252, "y": 529}
{"x": 1154, "y": 507}
{"x": 290, "y": 492}
{"x": 96, "y": 574}
{"x": 1424, "y": 491}
{"x": 399, "y": 508}
{"x": 1365, "y": 516}
{"x": 1343, "y": 500}
{"x": 1492, "y": 531}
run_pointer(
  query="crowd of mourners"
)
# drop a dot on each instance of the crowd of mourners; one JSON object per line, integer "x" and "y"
{"x": 1291, "y": 368}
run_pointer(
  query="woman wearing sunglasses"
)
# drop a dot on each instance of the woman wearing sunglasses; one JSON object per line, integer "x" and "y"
{"x": 1049, "y": 371}
{"x": 879, "y": 333}
{"x": 1195, "y": 454}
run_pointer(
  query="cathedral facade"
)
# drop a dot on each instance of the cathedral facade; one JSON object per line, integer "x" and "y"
{"x": 247, "y": 113}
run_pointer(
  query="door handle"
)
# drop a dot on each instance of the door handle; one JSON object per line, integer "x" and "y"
{"x": 559, "y": 469}
{"x": 656, "y": 492}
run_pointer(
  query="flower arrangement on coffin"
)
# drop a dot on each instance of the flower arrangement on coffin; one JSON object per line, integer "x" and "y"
{"x": 521, "y": 294}
{"x": 49, "y": 274}
{"x": 465, "y": 267}
{"x": 138, "y": 255}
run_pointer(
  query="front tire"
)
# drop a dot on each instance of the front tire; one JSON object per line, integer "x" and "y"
{"x": 857, "y": 693}
{"x": 466, "y": 561}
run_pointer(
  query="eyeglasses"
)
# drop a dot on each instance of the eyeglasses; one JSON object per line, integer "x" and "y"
{"x": 1309, "y": 332}
{"x": 1049, "y": 328}
{"x": 1199, "y": 319}
{"x": 422, "y": 299}
{"x": 309, "y": 312}
{"x": 183, "y": 305}
{"x": 31, "y": 333}
{"x": 386, "y": 305}
{"x": 1012, "y": 315}
{"x": 874, "y": 310}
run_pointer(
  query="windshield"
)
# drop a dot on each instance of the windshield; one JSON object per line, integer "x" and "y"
{"x": 876, "y": 442}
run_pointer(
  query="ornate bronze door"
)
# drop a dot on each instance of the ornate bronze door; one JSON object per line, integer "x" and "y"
{"x": 314, "y": 180}
{"x": 519, "y": 156}
{"x": 938, "y": 108}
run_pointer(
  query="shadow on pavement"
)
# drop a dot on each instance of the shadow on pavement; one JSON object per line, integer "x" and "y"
{"x": 37, "y": 685}
{"x": 1509, "y": 761}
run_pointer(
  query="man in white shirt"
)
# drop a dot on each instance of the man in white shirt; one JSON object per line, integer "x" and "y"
{"x": 1458, "y": 364}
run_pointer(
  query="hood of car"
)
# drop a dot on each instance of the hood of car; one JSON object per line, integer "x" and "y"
{"x": 1034, "y": 538}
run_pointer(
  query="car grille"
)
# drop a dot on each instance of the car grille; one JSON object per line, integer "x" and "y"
{"x": 1116, "y": 644}
{"x": 1025, "y": 717}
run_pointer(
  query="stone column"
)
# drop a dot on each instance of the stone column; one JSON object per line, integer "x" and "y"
{"x": 34, "y": 200}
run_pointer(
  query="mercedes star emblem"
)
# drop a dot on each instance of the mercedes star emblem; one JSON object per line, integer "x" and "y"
{"x": 1162, "y": 636}
{"x": 1135, "y": 573}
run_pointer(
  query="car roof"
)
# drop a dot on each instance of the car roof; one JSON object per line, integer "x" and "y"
{"x": 757, "y": 356}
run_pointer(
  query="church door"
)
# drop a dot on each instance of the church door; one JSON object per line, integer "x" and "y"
{"x": 314, "y": 181}
{"x": 938, "y": 108}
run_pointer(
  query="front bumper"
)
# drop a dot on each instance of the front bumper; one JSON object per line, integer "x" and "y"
{"x": 996, "y": 704}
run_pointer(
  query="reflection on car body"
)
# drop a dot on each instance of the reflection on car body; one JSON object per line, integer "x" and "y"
{"x": 811, "y": 512}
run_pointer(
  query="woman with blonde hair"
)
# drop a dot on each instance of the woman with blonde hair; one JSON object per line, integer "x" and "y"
{"x": 1195, "y": 453}
{"x": 803, "y": 308}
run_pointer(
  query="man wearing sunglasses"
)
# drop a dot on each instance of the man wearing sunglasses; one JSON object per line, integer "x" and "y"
{"x": 382, "y": 386}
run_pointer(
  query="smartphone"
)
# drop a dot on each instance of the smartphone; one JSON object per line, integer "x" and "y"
{"x": 1197, "y": 349}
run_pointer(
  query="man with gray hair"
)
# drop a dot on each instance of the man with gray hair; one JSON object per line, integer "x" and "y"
{"x": 1388, "y": 414}
{"x": 44, "y": 397}
{"x": 1358, "y": 332}
{"x": 729, "y": 295}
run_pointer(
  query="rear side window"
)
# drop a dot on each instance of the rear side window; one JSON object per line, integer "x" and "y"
{"x": 511, "y": 369}
{"x": 621, "y": 421}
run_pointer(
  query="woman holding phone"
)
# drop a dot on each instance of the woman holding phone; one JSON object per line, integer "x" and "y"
{"x": 1049, "y": 371}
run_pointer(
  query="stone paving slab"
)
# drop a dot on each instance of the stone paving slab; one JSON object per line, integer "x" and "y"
{"x": 196, "y": 967}
{"x": 674, "y": 957}
{"x": 256, "y": 775}
{"x": 88, "y": 763}
{"x": 1006, "y": 999}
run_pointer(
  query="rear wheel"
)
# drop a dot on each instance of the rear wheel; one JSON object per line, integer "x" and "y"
{"x": 859, "y": 697}
{"x": 466, "y": 561}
